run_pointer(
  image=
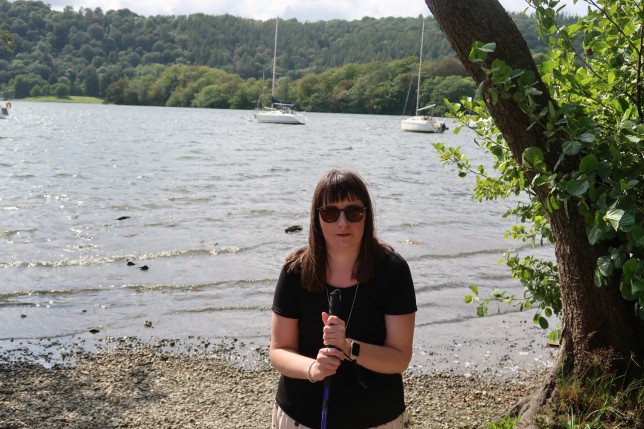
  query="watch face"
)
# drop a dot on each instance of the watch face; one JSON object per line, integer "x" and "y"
{"x": 355, "y": 349}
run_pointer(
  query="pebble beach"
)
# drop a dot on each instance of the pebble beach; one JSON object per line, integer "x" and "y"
{"x": 125, "y": 383}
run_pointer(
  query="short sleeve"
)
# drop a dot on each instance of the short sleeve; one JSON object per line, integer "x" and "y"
{"x": 401, "y": 293}
{"x": 286, "y": 300}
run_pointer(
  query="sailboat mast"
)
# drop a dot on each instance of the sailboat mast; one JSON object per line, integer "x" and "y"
{"x": 274, "y": 57}
{"x": 420, "y": 65}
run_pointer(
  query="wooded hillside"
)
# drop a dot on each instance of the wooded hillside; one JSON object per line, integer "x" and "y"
{"x": 88, "y": 50}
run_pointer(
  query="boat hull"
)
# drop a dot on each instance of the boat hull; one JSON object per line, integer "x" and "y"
{"x": 422, "y": 124}
{"x": 279, "y": 117}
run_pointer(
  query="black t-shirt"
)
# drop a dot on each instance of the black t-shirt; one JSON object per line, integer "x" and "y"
{"x": 352, "y": 405}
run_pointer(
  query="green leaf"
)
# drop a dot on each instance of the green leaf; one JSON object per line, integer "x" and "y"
{"x": 637, "y": 286}
{"x": 588, "y": 163}
{"x": 554, "y": 336}
{"x": 604, "y": 170}
{"x": 552, "y": 203}
{"x": 595, "y": 235}
{"x": 481, "y": 310}
{"x": 494, "y": 95}
{"x": 606, "y": 268}
{"x": 637, "y": 234}
{"x": 599, "y": 232}
{"x": 587, "y": 138}
{"x": 630, "y": 267}
{"x": 577, "y": 187}
{"x": 613, "y": 216}
{"x": 593, "y": 192}
{"x": 627, "y": 291}
{"x": 551, "y": 110}
{"x": 627, "y": 222}
{"x": 533, "y": 157}
{"x": 599, "y": 280}
{"x": 468, "y": 299}
{"x": 488, "y": 47}
{"x": 543, "y": 323}
{"x": 571, "y": 147}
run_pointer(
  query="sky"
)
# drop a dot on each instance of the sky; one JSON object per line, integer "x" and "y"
{"x": 302, "y": 10}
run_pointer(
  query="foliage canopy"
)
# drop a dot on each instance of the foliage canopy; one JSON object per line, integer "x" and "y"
{"x": 593, "y": 70}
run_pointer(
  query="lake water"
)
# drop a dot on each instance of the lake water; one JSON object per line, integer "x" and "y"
{"x": 205, "y": 197}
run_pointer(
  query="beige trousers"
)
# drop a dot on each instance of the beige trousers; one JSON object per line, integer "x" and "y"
{"x": 280, "y": 420}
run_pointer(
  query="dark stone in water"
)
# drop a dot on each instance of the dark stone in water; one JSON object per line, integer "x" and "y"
{"x": 123, "y": 218}
{"x": 144, "y": 267}
{"x": 94, "y": 331}
{"x": 293, "y": 228}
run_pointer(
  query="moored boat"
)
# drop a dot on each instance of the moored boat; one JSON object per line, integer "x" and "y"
{"x": 420, "y": 122}
{"x": 280, "y": 112}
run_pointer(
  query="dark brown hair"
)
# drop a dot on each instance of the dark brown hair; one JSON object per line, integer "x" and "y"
{"x": 335, "y": 186}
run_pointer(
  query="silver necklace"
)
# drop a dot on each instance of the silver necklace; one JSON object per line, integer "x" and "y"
{"x": 346, "y": 325}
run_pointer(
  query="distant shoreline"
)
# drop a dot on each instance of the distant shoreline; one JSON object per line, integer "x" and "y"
{"x": 69, "y": 99}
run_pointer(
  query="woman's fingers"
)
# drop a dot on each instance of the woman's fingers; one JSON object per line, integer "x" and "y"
{"x": 333, "y": 320}
{"x": 327, "y": 360}
{"x": 333, "y": 335}
{"x": 335, "y": 354}
{"x": 334, "y": 328}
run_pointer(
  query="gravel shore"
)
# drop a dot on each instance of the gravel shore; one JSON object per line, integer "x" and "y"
{"x": 138, "y": 385}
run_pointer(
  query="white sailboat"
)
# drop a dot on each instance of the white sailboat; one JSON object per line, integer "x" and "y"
{"x": 421, "y": 122}
{"x": 280, "y": 112}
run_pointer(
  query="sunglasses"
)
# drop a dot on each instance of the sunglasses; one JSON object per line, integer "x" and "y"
{"x": 331, "y": 214}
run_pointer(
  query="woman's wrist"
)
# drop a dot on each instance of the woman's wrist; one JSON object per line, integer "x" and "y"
{"x": 308, "y": 373}
{"x": 346, "y": 350}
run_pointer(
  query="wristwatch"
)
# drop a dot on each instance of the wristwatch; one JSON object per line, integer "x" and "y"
{"x": 355, "y": 350}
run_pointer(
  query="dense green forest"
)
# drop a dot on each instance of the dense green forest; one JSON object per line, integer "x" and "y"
{"x": 198, "y": 60}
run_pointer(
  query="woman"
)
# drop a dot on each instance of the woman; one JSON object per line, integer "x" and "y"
{"x": 367, "y": 344}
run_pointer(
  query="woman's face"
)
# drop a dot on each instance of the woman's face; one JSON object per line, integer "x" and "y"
{"x": 342, "y": 234}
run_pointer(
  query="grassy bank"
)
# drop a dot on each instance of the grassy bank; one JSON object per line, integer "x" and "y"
{"x": 67, "y": 99}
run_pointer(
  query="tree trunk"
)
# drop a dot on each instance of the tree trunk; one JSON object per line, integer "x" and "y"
{"x": 597, "y": 323}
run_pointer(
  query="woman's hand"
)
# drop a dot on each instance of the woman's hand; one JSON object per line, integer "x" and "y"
{"x": 334, "y": 335}
{"x": 326, "y": 363}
